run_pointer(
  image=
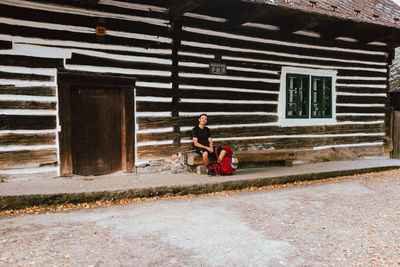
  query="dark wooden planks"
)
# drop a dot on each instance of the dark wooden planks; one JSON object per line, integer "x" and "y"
{"x": 230, "y": 72}
{"x": 162, "y": 122}
{"x": 47, "y": 16}
{"x": 27, "y": 105}
{"x": 27, "y": 31}
{"x": 361, "y": 73}
{"x": 163, "y": 136}
{"x": 28, "y": 90}
{"x": 28, "y": 159}
{"x": 231, "y": 95}
{"x": 25, "y": 77}
{"x": 144, "y": 106}
{"x": 261, "y": 46}
{"x": 79, "y": 59}
{"x": 355, "y": 109}
{"x": 361, "y": 90}
{"x": 323, "y": 61}
{"x": 360, "y": 99}
{"x": 352, "y": 81}
{"x": 236, "y": 63}
{"x": 206, "y": 82}
{"x": 153, "y": 91}
{"x": 297, "y": 130}
{"x": 142, "y": 67}
{"x": 343, "y": 118}
{"x": 301, "y": 143}
{"x": 211, "y": 107}
{"x": 277, "y": 35}
{"x": 32, "y": 62}
{"x": 25, "y": 122}
{"x": 5, "y": 45}
{"x": 160, "y": 151}
{"x": 266, "y": 131}
{"x": 27, "y": 139}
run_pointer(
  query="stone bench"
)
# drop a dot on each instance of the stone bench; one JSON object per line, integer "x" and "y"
{"x": 257, "y": 157}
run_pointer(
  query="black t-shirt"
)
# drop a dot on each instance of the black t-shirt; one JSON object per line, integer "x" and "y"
{"x": 202, "y": 135}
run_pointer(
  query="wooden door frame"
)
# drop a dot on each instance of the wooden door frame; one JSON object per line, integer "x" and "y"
{"x": 66, "y": 81}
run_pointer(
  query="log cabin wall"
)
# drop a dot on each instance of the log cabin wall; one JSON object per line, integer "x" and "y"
{"x": 28, "y": 113}
{"x": 170, "y": 63}
{"x": 39, "y": 37}
{"x": 243, "y": 104}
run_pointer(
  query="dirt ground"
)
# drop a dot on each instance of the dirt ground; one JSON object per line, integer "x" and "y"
{"x": 345, "y": 222}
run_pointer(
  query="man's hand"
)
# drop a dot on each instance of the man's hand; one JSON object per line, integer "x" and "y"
{"x": 210, "y": 149}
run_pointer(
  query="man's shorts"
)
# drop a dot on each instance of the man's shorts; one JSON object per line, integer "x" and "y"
{"x": 210, "y": 155}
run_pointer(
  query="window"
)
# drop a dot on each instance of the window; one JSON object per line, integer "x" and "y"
{"x": 307, "y": 96}
{"x": 297, "y": 96}
{"x": 321, "y": 97}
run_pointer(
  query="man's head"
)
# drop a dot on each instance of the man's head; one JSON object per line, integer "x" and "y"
{"x": 203, "y": 119}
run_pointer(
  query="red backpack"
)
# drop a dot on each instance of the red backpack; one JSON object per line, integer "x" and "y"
{"x": 223, "y": 168}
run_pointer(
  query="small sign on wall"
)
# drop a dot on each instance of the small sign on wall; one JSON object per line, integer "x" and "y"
{"x": 217, "y": 68}
{"x": 100, "y": 30}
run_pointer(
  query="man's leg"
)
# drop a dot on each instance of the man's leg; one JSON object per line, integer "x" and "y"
{"x": 221, "y": 156}
{"x": 205, "y": 158}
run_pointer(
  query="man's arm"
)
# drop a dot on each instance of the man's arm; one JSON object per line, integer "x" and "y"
{"x": 197, "y": 144}
{"x": 211, "y": 144}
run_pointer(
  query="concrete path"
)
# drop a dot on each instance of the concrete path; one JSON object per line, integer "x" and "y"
{"x": 36, "y": 189}
{"x": 351, "y": 222}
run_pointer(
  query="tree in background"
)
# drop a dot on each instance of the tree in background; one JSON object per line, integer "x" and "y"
{"x": 394, "y": 77}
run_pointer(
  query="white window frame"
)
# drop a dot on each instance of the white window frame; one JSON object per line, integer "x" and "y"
{"x": 282, "y": 120}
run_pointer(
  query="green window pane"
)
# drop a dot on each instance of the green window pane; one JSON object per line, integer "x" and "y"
{"x": 321, "y": 97}
{"x": 297, "y": 96}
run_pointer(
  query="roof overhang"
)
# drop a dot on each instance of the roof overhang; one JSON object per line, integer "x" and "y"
{"x": 289, "y": 20}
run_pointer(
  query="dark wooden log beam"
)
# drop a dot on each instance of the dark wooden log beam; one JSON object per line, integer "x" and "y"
{"x": 27, "y": 105}
{"x": 23, "y": 122}
{"x": 159, "y": 122}
{"x": 5, "y": 45}
{"x": 25, "y": 77}
{"x": 28, "y": 139}
{"x": 90, "y": 3}
{"x": 177, "y": 35}
{"x": 176, "y": 8}
{"x": 29, "y": 90}
{"x": 28, "y": 159}
{"x": 32, "y": 62}
{"x": 81, "y": 59}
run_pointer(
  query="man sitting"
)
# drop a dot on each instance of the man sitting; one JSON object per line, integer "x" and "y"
{"x": 203, "y": 143}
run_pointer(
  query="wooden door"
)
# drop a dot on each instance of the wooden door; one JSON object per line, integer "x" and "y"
{"x": 96, "y": 116}
{"x": 95, "y": 130}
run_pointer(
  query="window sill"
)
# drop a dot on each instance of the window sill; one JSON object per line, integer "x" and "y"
{"x": 307, "y": 122}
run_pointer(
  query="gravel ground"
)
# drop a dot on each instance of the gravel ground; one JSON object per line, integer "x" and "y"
{"x": 343, "y": 222}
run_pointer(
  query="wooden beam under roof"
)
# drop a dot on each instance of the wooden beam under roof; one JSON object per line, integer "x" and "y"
{"x": 364, "y": 33}
{"x": 301, "y": 23}
{"x": 330, "y": 30}
{"x": 246, "y": 14}
{"x": 367, "y": 36}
